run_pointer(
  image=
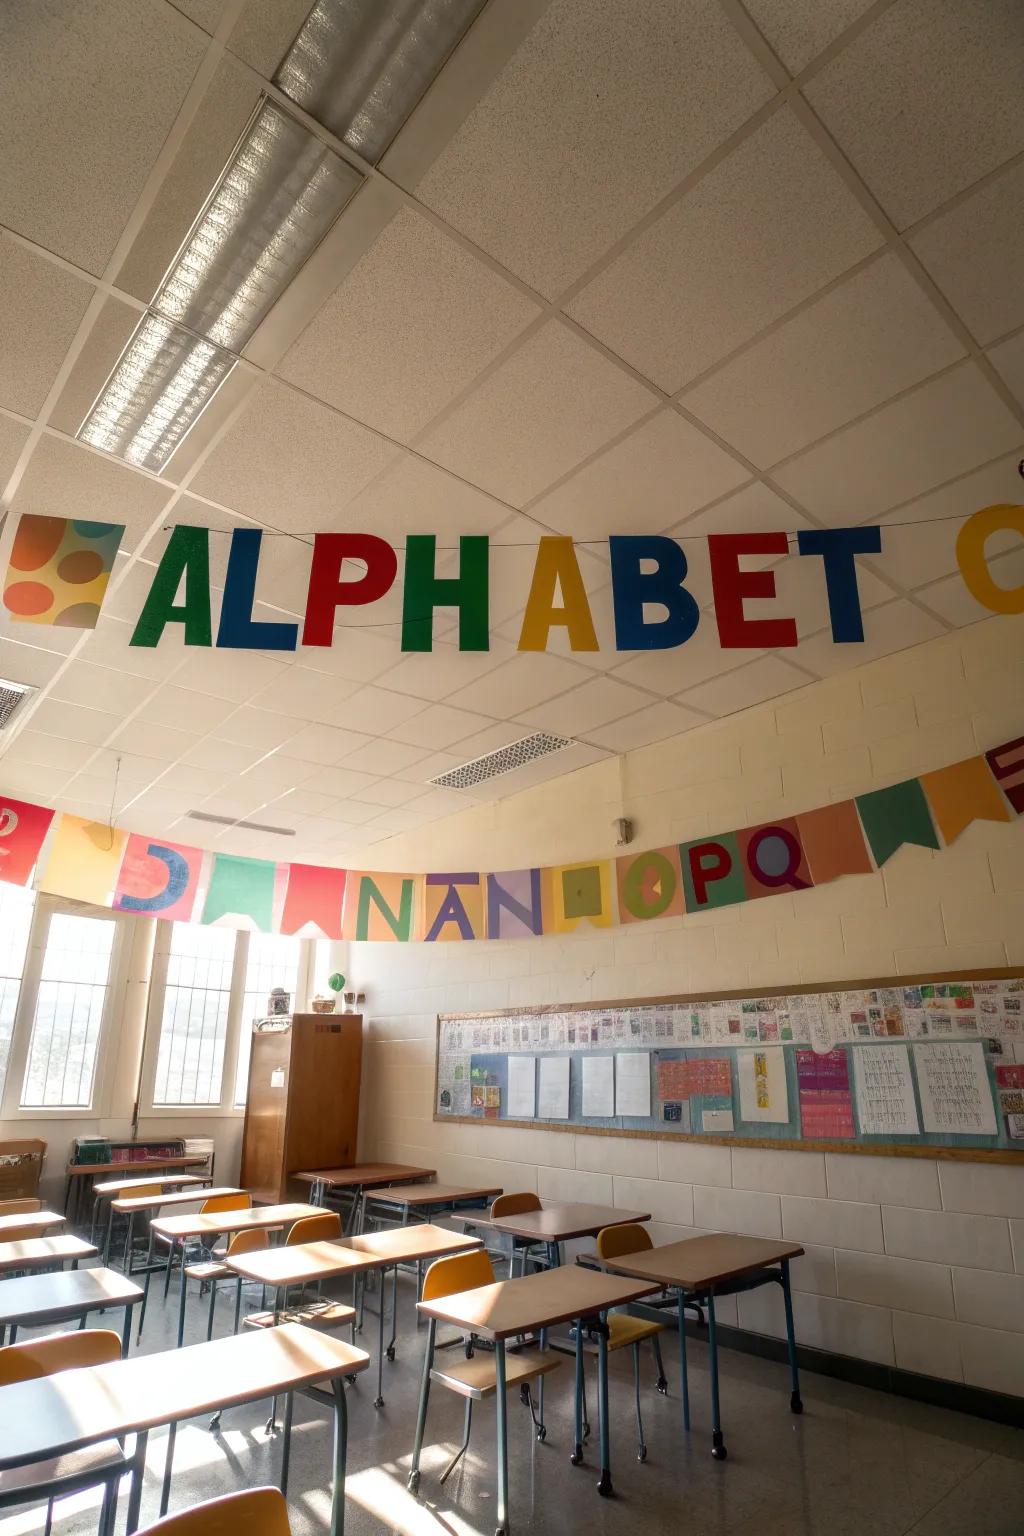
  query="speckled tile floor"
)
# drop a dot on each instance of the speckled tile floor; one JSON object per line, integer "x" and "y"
{"x": 856, "y": 1462}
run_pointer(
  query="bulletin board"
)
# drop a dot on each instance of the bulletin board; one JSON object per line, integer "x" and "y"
{"x": 916, "y": 1066}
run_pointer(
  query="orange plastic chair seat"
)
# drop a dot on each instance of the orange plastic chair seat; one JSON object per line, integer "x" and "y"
{"x": 476, "y": 1378}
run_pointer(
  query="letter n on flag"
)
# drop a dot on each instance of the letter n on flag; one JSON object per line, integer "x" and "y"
{"x": 1007, "y": 765}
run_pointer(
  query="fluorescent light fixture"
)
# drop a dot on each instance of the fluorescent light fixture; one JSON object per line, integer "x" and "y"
{"x": 276, "y": 198}
{"x": 360, "y": 66}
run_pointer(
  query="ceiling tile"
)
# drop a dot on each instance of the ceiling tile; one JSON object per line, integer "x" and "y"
{"x": 483, "y": 742}
{"x": 48, "y": 751}
{"x": 175, "y": 707}
{"x": 67, "y": 480}
{"x": 325, "y": 744}
{"x": 265, "y": 31}
{"x": 193, "y": 783}
{"x": 437, "y": 673}
{"x": 662, "y": 471}
{"x": 801, "y": 593}
{"x": 397, "y": 820}
{"x": 951, "y": 599}
{"x": 580, "y": 754}
{"x": 925, "y": 547}
{"x": 752, "y": 684}
{"x": 162, "y": 742}
{"x": 528, "y": 679}
{"x": 594, "y": 703}
{"x": 440, "y": 726}
{"x": 237, "y": 675}
{"x": 352, "y": 812}
{"x": 555, "y": 401}
{"x": 109, "y": 645}
{"x": 864, "y": 342}
{"x": 765, "y": 229}
{"x": 258, "y": 728}
{"x": 226, "y": 757}
{"x": 1009, "y": 359}
{"x": 973, "y": 253}
{"x": 383, "y": 757}
{"x": 28, "y": 663}
{"x": 430, "y": 767}
{"x": 40, "y": 309}
{"x": 300, "y": 802}
{"x": 942, "y": 429}
{"x": 684, "y": 666}
{"x": 205, "y": 13}
{"x": 892, "y": 628}
{"x": 412, "y": 324}
{"x": 129, "y": 771}
{"x": 754, "y": 509}
{"x": 337, "y": 782}
{"x": 291, "y": 462}
{"x": 271, "y": 776}
{"x": 655, "y": 723}
{"x": 798, "y": 30}
{"x": 87, "y": 109}
{"x": 415, "y": 496}
{"x": 100, "y": 688}
{"x": 73, "y": 722}
{"x": 927, "y": 100}
{"x": 13, "y": 437}
{"x": 33, "y": 781}
{"x": 390, "y": 792}
{"x": 359, "y": 653}
{"x": 594, "y": 119}
{"x": 380, "y": 710}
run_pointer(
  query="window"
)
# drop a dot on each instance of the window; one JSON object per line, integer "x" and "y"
{"x": 273, "y": 962}
{"x": 16, "y": 906}
{"x": 68, "y": 1013}
{"x": 193, "y": 1030}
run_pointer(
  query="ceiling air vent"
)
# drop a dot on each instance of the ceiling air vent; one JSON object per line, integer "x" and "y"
{"x": 12, "y": 697}
{"x": 502, "y": 761}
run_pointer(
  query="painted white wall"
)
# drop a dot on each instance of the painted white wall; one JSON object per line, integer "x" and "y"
{"x": 909, "y": 1262}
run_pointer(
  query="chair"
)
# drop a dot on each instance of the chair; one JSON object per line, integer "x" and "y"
{"x": 236, "y": 1202}
{"x": 476, "y": 1377}
{"x": 322, "y": 1228}
{"x": 144, "y": 1192}
{"x": 625, "y": 1332}
{"x": 257, "y": 1511}
{"x": 20, "y": 1207}
{"x": 515, "y": 1205}
{"x": 103, "y": 1463}
{"x": 210, "y": 1271}
{"x": 18, "y": 1234}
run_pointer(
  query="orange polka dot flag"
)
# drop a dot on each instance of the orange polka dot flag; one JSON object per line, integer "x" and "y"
{"x": 59, "y": 569}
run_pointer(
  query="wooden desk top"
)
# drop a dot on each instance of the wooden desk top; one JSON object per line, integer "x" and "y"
{"x": 79, "y": 1170}
{"x": 232, "y": 1221}
{"x": 130, "y": 1203}
{"x": 41, "y": 1299}
{"x": 29, "y": 1221}
{"x": 560, "y": 1223}
{"x": 306, "y": 1262}
{"x": 535, "y": 1301}
{"x": 700, "y": 1261}
{"x": 34, "y": 1252}
{"x": 59, "y": 1413}
{"x": 364, "y": 1175}
{"x": 167, "y": 1180}
{"x": 434, "y": 1194}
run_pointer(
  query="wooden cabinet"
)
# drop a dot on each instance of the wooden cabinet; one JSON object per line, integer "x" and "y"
{"x": 302, "y": 1108}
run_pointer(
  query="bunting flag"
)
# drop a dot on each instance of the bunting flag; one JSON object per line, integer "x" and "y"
{"x": 59, "y": 570}
{"x": 104, "y": 866}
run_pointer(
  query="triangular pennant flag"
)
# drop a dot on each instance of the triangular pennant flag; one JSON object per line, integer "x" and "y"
{"x": 833, "y": 841}
{"x": 1007, "y": 764}
{"x": 962, "y": 793}
{"x": 896, "y": 816}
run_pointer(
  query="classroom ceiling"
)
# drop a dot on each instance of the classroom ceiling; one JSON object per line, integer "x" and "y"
{"x": 657, "y": 267}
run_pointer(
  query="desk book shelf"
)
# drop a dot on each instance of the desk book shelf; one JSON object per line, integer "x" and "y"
{"x": 915, "y": 1066}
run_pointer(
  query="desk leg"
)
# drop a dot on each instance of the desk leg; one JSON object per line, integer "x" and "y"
{"x": 379, "y": 1399}
{"x": 109, "y": 1232}
{"x": 577, "y": 1450}
{"x": 684, "y": 1385}
{"x": 605, "y": 1485}
{"x": 421, "y": 1415}
{"x": 795, "y": 1400}
{"x": 542, "y": 1433}
{"x": 390, "y": 1351}
{"x": 502, "y": 1427}
{"x": 135, "y": 1492}
{"x": 718, "y": 1450}
{"x": 129, "y": 1244}
{"x": 67, "y": 1193}
{"x": 181, "y": 1299}
{"x": 340, "y": 1458}
{"x": 286, "y": 1438}
{"x": 126, "y": 1331}
{"x": 165, "y": 1488}
{"x": 145, "y": 1288}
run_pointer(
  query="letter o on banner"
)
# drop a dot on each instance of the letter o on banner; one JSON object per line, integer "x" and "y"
{"x": 970, "y": 556}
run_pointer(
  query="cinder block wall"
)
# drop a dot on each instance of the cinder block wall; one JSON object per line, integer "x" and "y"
{"x": 916, "y": 1263}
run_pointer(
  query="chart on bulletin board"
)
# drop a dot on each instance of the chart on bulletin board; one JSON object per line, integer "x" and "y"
{"x": 908, "y": 1065}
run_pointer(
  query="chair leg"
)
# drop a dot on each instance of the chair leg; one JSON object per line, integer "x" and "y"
{"x": 167, "y": 1271}
{"x": 213, "y": 1305}
{"x": 662, "y": 1381}
{"x": 450, "y": 1468}
{"x": 108, "y": 1508}
{"x": 48, "y": 1527}
{"x": 641, "y": 1448}
{"x": 238, "y": 1302}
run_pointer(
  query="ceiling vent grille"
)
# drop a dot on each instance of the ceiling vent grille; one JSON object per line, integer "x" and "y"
{"x": 12, "y": 697}
{"x": 527, "y": 750}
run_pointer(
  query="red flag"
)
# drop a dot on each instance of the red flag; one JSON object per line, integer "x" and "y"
{"x": 22, "y": 829}
{"x": 315, "y": 895}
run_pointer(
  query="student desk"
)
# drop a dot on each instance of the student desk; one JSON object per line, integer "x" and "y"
{"x": 33, "y": 1222}
{"x": 558, "y": 1224}
{"x": 42, "y": 1252}
{"x": 60, "y": 1413}
{"x": 113, "y": 1189}
{"x": 530, "y": 1304}
{"x": 423, "y": 1202}
{"x": 34, "y": 1300}
{"x": 178, "y": 1229}
{"x": 355, "y": 1181}
{"x": 76, "y": 1173}
{"x": 133, "y": 1205}
{"x": 309, "y": 1263}
{"x": 701, "y": 1268}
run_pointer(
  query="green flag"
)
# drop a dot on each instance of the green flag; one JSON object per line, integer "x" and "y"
{"x": 896, "y": 816}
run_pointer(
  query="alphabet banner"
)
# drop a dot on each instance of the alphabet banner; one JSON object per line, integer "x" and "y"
{"x": 59, "y": 570}
{"x": 133, "y": 873}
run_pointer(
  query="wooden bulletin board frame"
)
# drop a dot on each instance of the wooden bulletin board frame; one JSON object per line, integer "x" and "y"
{"x": 1006, "y": 1155}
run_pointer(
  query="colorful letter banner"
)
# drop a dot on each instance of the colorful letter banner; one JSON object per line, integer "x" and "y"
{"x": 90, "y": 862}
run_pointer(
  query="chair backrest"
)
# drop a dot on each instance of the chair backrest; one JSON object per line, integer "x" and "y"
{"x": 19, "y": 1207}
{"x": 257, "y": 1511}
{"x": 144, "y": 1192}
{"x": 239, "y": 1202}
{"x": 631, "y": 1237}
{"x": 462, "y": 1272}
{"x": 515, "y": 1205}
{"x": 18, "y": 1234}
{"x": 58, "y": 1352}
{"x": 314, "y": 1229}
{"x": 248, "y": 1242}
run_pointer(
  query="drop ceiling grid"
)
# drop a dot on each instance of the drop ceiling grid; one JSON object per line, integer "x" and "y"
{"x": 553, "y": 310}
